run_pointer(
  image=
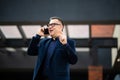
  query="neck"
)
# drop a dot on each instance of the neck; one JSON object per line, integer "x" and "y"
{"x": 54, "y": 37}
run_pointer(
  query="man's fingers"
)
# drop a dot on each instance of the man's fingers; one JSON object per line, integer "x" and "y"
{"x": 63, "y": 39}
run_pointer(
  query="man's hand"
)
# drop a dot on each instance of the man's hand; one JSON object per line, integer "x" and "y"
{"x": 41, "y": 32}
{"x": 63, "y": 39}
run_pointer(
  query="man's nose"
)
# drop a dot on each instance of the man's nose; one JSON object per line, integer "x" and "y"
{"x": 50, "y": 26}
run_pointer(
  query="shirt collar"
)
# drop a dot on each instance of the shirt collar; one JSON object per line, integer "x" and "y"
{"x": 55, "y": 38}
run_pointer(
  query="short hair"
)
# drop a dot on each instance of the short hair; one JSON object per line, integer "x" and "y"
{"x": 58, "y": 18}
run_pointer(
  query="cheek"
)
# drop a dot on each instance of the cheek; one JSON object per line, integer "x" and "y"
{"x": 59, "y": 29}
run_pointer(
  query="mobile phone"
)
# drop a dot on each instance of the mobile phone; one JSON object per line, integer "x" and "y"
{"x": 46, "y": 31}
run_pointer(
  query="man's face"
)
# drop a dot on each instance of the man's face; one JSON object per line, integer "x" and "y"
{"x": 55, "y": 27}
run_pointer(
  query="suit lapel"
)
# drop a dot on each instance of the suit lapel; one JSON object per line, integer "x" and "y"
{"x": 57, "y": 45}
{"x": 45, "y": 48}
{"x": 47, "y": 45}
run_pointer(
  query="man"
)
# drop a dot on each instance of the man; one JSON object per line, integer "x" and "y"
{"x": 54, "y": 54}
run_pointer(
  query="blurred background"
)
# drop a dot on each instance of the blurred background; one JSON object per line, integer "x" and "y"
{"x": 93, "y": 24}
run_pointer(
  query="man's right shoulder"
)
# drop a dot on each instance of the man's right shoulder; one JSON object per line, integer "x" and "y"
{"x": 44, "y": 40}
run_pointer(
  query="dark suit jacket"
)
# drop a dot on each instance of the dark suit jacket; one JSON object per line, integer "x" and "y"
{"x": 59, "y": 62}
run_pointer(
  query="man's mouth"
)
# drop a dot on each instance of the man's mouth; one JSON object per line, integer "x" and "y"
{"x": 51, "y": 31}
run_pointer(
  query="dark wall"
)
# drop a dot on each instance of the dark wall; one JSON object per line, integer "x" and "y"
{"x": 69, "y": 10}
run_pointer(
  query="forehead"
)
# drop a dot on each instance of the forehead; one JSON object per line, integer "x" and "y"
{"x": 55, "y": 21}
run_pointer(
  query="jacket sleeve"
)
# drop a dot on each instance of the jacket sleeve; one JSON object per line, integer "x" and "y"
{"x": 33, "y": 46}
{"x": 71, "y": 52}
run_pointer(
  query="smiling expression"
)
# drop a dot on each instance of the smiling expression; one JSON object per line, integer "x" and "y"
{"x": 55, "y": 27}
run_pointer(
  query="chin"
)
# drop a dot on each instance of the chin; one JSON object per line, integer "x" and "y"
{"x": 51, "y": 34}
